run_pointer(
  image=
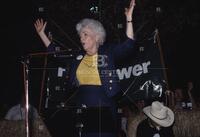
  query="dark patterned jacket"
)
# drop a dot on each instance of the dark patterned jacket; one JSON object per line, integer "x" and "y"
{"x": 108, "y": 54}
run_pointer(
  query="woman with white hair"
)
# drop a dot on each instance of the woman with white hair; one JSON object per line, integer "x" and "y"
{"x": 93, "y": 72}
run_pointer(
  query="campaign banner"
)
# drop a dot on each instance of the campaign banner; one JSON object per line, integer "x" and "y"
{"x": 142, "y": 76}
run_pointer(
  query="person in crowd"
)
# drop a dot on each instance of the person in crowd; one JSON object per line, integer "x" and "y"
{"x": 184, "y": 97}
{"x": 192, "y": 98}
{"x": 179, "y": 102}
{"x": 18, "y": 111}
{"x": 158, "y": 122}
{"x": 93, "y": 72}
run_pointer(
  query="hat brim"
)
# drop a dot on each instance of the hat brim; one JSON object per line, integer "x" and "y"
{"x": 168, "y": 121}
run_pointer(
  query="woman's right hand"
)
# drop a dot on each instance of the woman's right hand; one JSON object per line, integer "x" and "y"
{"x": 40, "y": 26}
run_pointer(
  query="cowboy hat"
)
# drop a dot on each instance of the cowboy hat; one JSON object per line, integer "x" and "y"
{"x": 160, "y": 114}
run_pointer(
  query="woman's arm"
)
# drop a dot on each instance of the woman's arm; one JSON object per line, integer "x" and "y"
{"x": 40, "y": 26}
{"x": 129, "y": 22}
{"x": 126, "y": 47}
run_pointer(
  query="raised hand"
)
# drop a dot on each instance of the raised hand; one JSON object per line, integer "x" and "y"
{"x": 129, "y": 10}
{"x": 40, "y": 25}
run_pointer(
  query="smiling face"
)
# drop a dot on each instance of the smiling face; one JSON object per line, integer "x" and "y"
{"x": 89, "y": 41}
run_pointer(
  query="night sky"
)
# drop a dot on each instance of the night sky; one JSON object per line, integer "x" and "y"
{"x": 180, "y": 40}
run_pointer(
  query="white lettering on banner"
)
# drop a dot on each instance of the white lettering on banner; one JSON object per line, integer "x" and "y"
{"x": 60, "y": 71}
{"x": 135, "y": 70}
{"x": 102, "y": 61}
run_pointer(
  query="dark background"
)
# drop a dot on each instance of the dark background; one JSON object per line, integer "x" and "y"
{"x": 177, "y": 22}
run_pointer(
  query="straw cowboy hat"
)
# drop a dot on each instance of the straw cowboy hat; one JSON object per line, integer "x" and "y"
{"x": 160, "y": 114}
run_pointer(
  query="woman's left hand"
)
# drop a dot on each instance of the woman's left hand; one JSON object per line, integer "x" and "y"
{"x": 129, "y": 10}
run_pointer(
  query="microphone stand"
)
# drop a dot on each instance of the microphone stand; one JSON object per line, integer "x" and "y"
{"x": 79, "y": 123}
{"x": 25, "y": 63}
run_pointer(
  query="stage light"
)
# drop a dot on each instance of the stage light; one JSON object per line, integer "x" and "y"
{"x": 94, "y": 9}
{"x": 119, "y": 26}
{"x": 158, "y": 9}
{"x": 41, "y": 9}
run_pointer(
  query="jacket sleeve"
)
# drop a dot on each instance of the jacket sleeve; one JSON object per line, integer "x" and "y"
{"x": 51, "y": 47}
{"x": 123, "y": 49}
